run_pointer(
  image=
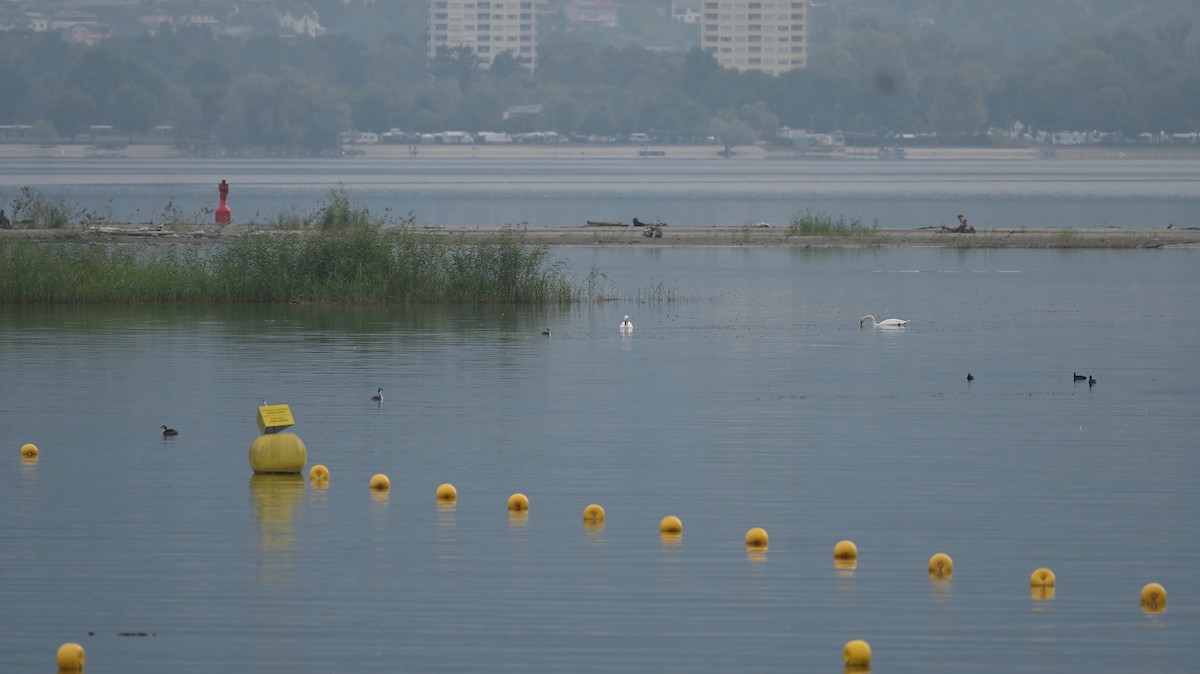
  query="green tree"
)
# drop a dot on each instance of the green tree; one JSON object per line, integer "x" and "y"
{"x": 44, "y": 132}
{"x": 731, "y": 131}
{"x": 958, "y": 106}
{"x": 71, "y": 111}
{"x": 133, "y": 109}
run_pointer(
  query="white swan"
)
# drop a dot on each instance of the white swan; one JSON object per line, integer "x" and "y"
{"x": 626, "y": 324}
{"x": 886, "y": 323}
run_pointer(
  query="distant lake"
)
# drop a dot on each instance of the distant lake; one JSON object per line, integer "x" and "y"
{"x": 569, "y": 191}
{"x": 754, "y": 400}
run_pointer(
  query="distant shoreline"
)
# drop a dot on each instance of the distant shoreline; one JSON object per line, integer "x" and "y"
{"x": 649, "y": 153}
{"x": 678, "y": 236}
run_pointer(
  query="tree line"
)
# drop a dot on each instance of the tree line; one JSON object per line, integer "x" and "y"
{"x": 872, "y": 81}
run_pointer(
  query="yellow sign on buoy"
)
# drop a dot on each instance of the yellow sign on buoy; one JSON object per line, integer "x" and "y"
{"x": 274, "y": 418}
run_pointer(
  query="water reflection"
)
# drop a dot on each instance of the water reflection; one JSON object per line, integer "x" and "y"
{"x": 275, "y": 498}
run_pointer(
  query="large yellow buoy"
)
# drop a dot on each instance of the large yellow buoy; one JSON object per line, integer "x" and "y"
{"x": 446, "y": 493}
{"x": 70, "y": 658}
{"x": 1154, "y": 598}
{"x": 670, "y": 525}
{"x": 941, "y": 566}
{"x": 1042, "y": 578}
{"x": 593, "y": 514}
{"x": 278, "y": 453}
{"x": 845, "y": 550}
{"x": 756, "y": 538}
{"x": 518, "y": 503}
{"x": 380, "y": 482}
{"x": 29, "y": 452}
{"x": 318, "y": 474}
{"x": 857, "y": 655}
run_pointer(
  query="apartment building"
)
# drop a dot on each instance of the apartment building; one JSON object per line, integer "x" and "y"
{"x": 766, "y": 35}
{"x": 487, "y": 27}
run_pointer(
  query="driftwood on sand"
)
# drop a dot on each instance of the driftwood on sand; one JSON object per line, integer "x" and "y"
{"x": 963, "y": 227}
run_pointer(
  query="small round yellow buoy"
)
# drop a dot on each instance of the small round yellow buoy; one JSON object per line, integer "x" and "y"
{"x": 518, "y": 503}
{"x": 845, "y": 550}
{"x": 857, "y": 654}
{"x": 1154, "y": 598}
{"x": 380, "y": 482}
{"x": 318, "y": 473}
{"x": 1042, "y": 578}
{"x": 593, "y": 513}
{"x": 670, "y": 525}
{"x": 70, "y": 658}
{"x": 756, "y": 538}
{"x": 29, "y": 451}
{"x": 447, "y": 493}
{"x": 941, "y": 566}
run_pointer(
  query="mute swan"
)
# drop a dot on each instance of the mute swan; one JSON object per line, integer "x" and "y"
{"x": 168, "y": 432}
{"x": 886, "y": 323}
{"x": 378, "y": 397}
{"x": 626, "y": 324}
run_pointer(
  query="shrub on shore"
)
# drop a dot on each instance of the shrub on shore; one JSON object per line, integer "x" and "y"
{"x": 366, "y": 265}
{"x": 807, "y": 223}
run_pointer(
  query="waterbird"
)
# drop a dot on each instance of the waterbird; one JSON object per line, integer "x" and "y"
{"x": 168, "y": 432}
{"x": 970, "y": 377}
{"x": 1079, "y": 377}
{"x": 378, "y": 397}
{"x": 546, "y": 333}
{"x": 886, "y": 323}
{"x": 1091, "y": 380}
{"x": 626, "y": 324}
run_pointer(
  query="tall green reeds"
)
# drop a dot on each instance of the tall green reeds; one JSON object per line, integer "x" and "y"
{"x": 807, "y": 223}
{"x": 360, "y": 265}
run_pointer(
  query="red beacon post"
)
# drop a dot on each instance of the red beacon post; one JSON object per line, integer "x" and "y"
{"x": 223, "y": 213}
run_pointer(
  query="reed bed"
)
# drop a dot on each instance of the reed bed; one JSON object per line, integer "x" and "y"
{"x": 356, "y": 265}
{"x": 807, "y": 223}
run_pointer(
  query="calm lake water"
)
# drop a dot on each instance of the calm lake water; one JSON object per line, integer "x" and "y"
{"x": 570, "y": 191}
{"x": 753, "y": 399}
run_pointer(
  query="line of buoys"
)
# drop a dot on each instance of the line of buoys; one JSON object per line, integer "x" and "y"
{"x": 670, "y": 525}
{"x": 29, "y": 452}
{"x": 593, "y": 514}
{"x": 941, "y": 566}
{"x": 446, "y": 493}
{"x": 380, "y": 482}
{"x": 518, "y": 503}
{"x": 318, "y": 474}
{"x": 70, "y": 658}
{"x": 756, "y": 538}
{"x": 857, "y": 655}
{"x": 1154, "y": 598}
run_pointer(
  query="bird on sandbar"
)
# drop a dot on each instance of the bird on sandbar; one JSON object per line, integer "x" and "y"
{"x": 378, "y": 397}
{"x": 168, "y": 432}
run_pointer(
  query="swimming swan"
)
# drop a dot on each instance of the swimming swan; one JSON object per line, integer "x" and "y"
{"x": 887, "y": 323}
{"x": 626, "y": 324}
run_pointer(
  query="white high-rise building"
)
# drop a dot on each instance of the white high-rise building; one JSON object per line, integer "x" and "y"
{"x": 488, "y": 27}
{"x": 766, "y": 35}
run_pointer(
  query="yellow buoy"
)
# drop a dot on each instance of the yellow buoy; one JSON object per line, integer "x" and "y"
{"x": 1154, "y": 598}
{"x": 447, "y": 493}
{"x": 278, "y": 453}
{"x": 518, "y": 503}
{"x": 857, "y": 654}
{"x": 670, "y": 525}
{"x": 593, "y": 513}
{"x": 70, "y": 658}
{"x": 845, "y": 550}
{"x": 29, "y": 451}
{"x": 318, "y": 473}
{"x": 941, "y": 566}
{"x": 756, "y": 538}
{"x": 1041, "y": 592}
{"x": 1042, "y": 578}
{"x": 380, "y": 482}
